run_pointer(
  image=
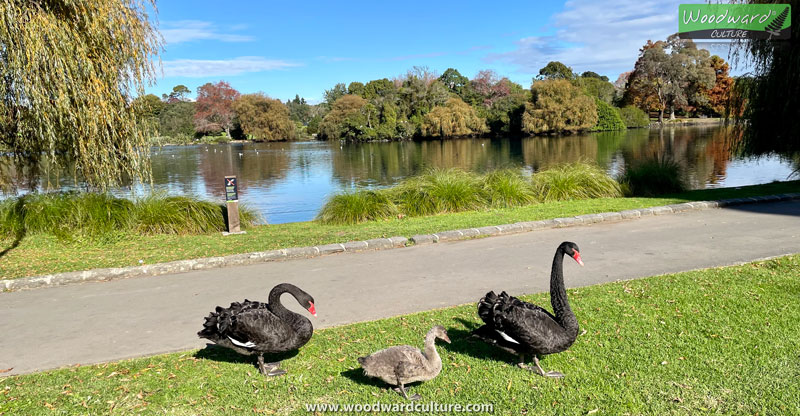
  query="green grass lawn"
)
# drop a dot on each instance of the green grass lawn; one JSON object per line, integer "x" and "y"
{"x": 721, "y": 341}
{"x": 44, "y": 254}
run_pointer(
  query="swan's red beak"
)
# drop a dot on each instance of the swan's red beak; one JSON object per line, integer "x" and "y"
{"x": 577, "y": 257}
{"x": 312, "y": 309}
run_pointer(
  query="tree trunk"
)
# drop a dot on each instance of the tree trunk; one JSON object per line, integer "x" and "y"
{"x": 672, "y": 114}
{"x": 661, "y": 116}
{"x": 228, "y": 132}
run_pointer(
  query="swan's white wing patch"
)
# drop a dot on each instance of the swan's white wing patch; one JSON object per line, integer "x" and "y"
{"x": 502, "y": 334}
{"x": 247, "y": 344}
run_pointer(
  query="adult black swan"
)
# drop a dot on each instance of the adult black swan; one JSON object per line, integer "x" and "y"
{"x": 253, "y": 327}
{"x": 525, "y": 329}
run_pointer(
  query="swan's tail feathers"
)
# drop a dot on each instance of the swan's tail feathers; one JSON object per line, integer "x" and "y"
{"x": 210, "y": 329}
{"x": 486, "y": 307}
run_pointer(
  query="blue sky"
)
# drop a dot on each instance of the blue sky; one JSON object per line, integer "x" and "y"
{"x": 288, "y": 48}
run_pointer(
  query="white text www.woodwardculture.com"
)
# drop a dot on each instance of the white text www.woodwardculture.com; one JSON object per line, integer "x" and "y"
{"x": 430, "y": 407}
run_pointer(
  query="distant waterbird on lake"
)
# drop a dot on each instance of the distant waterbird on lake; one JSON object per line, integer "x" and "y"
{"x": 253, "y": 327}
{"x": 523, "y": 328}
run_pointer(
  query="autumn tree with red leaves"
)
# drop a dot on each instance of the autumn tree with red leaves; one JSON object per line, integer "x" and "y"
{"x": 214, "y": 108}
{"x": 719, "y": 96}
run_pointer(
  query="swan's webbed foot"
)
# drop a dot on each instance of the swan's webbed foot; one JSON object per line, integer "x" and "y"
{"x": 553, "y": 374}
{"x": 538, "y": 370}
{"x": 401, "y": 390}
{"x": 269, "y": 369}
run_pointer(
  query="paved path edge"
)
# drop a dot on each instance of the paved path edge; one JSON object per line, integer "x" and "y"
{"x": 182, "y": 266}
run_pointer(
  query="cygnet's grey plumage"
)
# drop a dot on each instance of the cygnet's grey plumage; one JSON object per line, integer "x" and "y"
{"x": 406, "y": 364}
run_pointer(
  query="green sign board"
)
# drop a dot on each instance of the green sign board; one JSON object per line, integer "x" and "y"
{"x": 735, "y": 21}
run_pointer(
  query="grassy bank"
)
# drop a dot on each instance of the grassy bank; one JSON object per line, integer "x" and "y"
{"x": 719, "y": 341}
{"x": 44, "y": 254}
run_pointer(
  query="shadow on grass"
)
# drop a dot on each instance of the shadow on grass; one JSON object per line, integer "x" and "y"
{"x": 216, "y": 353}
{"x": 21, "y": 232}
{"x": 357, "y": 375}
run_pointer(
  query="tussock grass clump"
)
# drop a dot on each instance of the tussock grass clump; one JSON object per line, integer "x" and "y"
{"x": 654, "y": 176}
{"x": 355, "y": 207}
{"x": 574, "y": 181}
{"x": 442, "y": 191}
{"x": 439, "y": 191}
{"x": 507, "y": 188}
{"x": 70, "y": 214}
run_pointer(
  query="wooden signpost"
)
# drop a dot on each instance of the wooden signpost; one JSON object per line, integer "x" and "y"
{"x": 232, "y": 201}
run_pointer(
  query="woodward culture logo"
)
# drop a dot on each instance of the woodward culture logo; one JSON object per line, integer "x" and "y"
{"x": 735, "y": 21}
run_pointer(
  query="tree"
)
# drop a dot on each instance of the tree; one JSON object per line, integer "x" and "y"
{"x": 597, "y": 88}
{"x": 489, "y": 87}
{"x": 356, "y": 88}
{"x": 68, "y": 73}
{"x": 454, "y": 81}
{"x": 299, "y": 110}
{"x": 556, "y": 70}
{"x": 149, "y": 105}
{"x": 264, "y": 118}
{"x": 214, "y": 109}
{"x": 333, "y": 125}
{"x": 330, "y": 96}
{"x": 608, "y": 117}
{"x": 380, "y": 88}
{"x": 455, "y": 118}
{"x": 176, "y": 120}
{"x": 179, "y": 93}
{"x": 773, "y": 94}
{"x": 592, "y": 74}
{"x": 670, "y": 75}
{"x": 558, "y": 106}
{"x": 719, "y": 96}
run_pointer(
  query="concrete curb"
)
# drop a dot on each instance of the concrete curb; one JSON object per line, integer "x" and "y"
{"x": 180, "y": 266}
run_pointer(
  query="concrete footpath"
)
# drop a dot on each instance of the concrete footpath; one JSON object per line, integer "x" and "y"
{"x": 96, "y": 322}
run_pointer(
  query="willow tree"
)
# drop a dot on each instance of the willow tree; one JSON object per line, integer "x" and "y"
{"x": 70, "y": 71}
{"x": 264, "y": 118}
{"x": 455, "y": 118}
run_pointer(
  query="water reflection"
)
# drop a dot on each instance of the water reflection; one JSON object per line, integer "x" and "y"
{"x": 290, "y": 181}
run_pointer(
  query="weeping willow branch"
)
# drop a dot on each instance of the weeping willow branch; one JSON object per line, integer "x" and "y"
{"x": 69, "y": 71}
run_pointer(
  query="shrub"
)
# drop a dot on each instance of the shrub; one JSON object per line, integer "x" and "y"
{"x": 69, "y": 214}
{"x": 574, "y": 181}
{"x": 507, "y": 188}
{"x": 608, "y": 117}
{"x": 634, "y": 117}
{"x": 439, "y": 191}
{"x": 654, "y": 177}
{"x": 355, "y": 207}
{"x": 558, "y": 106}
{"x": 455, "y": 118}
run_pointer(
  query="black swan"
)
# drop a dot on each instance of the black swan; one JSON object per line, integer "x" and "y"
{"x": 253, "y": 327}
{"x": 406, "y": 364}
{"x": 525, "y": 329}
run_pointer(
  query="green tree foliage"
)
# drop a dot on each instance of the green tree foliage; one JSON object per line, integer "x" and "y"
{"x": 558, "y": 106}
{"x": 263, "y": 118}
{"x": 214, "y": 109}
{"x": 420, "y": 92}
{"x": 345, "y": 113}
{"x": 455, "y": 118}
{"x": 380, "y": 89}
{"x": 591, "y": 74}
{"x": 556, "y": 70}
{"x": 505, "y": 115}
{"x": 179, "y": 93}
{"x": 149, "y": 105}
{"x": 773, "y": 95}
{"x": 454, "y": 81}
{"x": 608, "y": 117}
{"x": 176, "y": 120}
{"x": 597, "y": 88}
{"x": 299, "y": 110}
{"x": 634, "y": 117}
{"x": 330, "y": 96}
{"x": 68, "y": 71}
{"x": 356, "y": 88}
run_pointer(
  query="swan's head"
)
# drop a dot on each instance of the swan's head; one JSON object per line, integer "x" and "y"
{"x": 571, "y": 249}
{"x": 440, "y": 333}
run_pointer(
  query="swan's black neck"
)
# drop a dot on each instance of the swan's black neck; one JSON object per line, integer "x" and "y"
{"x": 558, "y": 295}
{"x": 275, "y": 304}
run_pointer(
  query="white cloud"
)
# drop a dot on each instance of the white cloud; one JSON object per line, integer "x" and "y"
{"x": 604, "y": 37}
{"x": 226, "y": 67}
{"x": 189, "y": 30}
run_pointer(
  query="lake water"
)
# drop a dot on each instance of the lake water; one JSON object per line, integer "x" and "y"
{"x": 290, "y": 181}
